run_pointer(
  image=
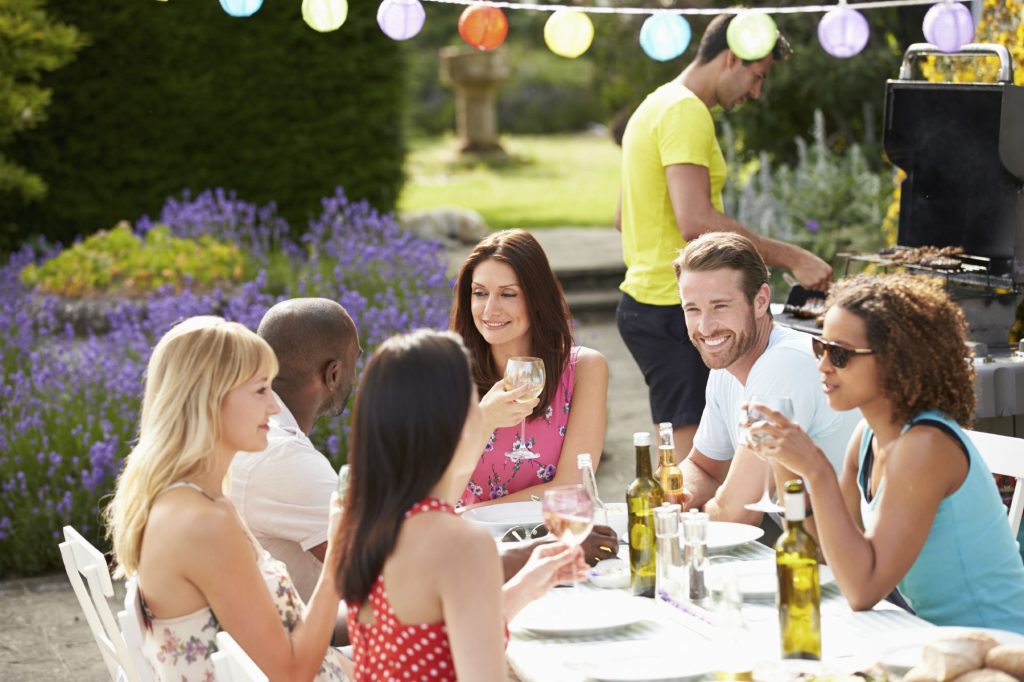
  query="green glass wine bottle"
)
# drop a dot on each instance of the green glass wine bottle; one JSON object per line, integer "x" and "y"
{"x": 642, "y": 497}
{"x": 799, "y": 596}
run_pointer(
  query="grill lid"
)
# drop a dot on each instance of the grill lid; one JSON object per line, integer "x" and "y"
{"x": 962, "y": 148}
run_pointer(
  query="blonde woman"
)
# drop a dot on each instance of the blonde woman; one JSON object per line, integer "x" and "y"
{"x": 199, "y": 569}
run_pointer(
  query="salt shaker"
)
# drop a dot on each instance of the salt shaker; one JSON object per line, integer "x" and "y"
{"x": 668, "y": 557}
{"x": 695, "y": 553}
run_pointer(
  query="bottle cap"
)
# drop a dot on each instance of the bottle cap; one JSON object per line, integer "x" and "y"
{"x": 584, "y": 459}
{"x": 664, "y": 425}
{"x": 641, "y": 438}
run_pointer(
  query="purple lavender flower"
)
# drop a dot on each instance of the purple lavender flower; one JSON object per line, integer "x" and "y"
{"x": 812, "y": 225}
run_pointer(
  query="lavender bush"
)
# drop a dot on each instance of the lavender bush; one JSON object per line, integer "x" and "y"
{"x": 69, "y": 404}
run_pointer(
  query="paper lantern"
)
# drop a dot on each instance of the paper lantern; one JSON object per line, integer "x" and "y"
{"x": 568, "y": 33}
{"x": 482, "y": 26}
{"x": 325, "y": 15}
{"x": 241, "y": 8}
{"x": 948, "y": 26}
{"x": 843, "y": 32}
{"x": 400, "y": 19}
{"x": 752, "y": 35}
{"x": 665, "y": 36}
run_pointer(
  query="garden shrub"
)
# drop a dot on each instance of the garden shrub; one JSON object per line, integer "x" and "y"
{"x": 828, "y": 202}
{"x": 69, "y": 404}
{"x": 118, "y": 262}
{"x": 179, "y": 95}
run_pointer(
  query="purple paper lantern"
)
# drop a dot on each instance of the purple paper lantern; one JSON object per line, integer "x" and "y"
{"x": 400, "y": 19}
{"x": 948, "y": 26}
{"x": 843, "y": 32}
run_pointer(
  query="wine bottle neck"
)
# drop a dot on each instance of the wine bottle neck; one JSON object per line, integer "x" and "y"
{"x": 643, "y": 461}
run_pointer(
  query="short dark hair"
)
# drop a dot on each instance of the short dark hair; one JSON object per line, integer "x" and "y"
{"x": 306, "y": 333}
{"x": 550, "y": 335}
{"x": 718, "y": 250}
{"x": 714, "y": 43}
{"x": 411, "y": 407}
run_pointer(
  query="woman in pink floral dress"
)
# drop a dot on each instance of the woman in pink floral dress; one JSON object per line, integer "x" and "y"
{"x": 199, "y": 570}
{"x": 509, "y": 303}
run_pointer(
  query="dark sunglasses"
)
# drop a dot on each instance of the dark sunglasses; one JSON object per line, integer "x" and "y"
{"x": 837, "y": 355}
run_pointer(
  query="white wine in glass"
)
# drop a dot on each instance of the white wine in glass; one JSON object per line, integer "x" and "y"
{"x": 526, "y": 371}
{"x": 568, "y": 514}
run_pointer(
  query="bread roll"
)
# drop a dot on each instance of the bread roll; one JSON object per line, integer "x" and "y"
{"x": 985, "y": 675}
{"x": 1007, "y": 657}
{"x": 919, "y": 674}
{"x": 947, "y": 658}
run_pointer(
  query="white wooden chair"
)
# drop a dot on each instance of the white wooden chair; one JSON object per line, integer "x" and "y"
{"x": 83, "y": 561}
{"x": 133, "y": 628}
{"x": 232, "y": 664}
{"x": 1004, "y": 455}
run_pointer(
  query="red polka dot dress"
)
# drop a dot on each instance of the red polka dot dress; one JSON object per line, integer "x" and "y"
{"x": 388, "y": 649}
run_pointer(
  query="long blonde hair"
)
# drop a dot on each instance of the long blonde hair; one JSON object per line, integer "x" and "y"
{"x": 192, "y": 368}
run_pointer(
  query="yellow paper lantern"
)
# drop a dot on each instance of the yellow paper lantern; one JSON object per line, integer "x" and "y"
{"x": 325, "y": 15}
{"x": 568, "y": 33}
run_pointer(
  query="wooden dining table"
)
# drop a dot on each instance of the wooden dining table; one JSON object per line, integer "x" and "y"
{"x": 689, "y": 637}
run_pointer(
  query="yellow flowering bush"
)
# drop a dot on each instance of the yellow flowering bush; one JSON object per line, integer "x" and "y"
{"x": 119, "y": 262}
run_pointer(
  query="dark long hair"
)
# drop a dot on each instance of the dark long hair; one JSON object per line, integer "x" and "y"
{"x": 550, "y": 336}
{"x": 409, "y": 412}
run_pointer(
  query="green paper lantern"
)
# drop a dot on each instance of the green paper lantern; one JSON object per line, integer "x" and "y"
{"x": 752, "y": 35}
{"x": 324, "y": 15}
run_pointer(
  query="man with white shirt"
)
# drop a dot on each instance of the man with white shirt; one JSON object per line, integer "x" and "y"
{"x": 284, "y": 492}
{"x": 723, "y": 284}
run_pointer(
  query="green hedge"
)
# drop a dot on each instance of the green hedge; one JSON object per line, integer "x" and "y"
{"x": 180, "y": 95}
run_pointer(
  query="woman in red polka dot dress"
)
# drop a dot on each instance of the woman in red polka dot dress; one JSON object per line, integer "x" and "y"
{"x": 423, "y": 587}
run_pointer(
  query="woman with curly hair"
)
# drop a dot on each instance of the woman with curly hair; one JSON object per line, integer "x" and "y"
{"x": 915, "y": 506}
{"x": 509, "y": 303}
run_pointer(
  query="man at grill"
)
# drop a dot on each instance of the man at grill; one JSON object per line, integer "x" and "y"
{"x": 673, "y": 171}
{"x": 723, "y": 284}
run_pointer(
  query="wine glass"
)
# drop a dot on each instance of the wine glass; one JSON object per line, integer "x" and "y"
{"x": 568, "y": 514}
{"x": 783, "y": 406}
{"x": 521, "y": 371}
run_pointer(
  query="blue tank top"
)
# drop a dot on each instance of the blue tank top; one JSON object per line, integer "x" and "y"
{"x": 968, "y": 572}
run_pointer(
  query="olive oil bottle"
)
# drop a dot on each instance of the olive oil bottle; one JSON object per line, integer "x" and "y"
{"x": 642, "y": 497}
{"x": 799, "y": 596}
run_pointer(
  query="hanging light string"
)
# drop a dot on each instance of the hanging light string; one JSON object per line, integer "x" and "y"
{"x": 708, "y": 11}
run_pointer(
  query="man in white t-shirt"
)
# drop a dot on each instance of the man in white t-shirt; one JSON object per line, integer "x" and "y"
{"x": 284, "y": 492}
{"x": 723, "y": 284}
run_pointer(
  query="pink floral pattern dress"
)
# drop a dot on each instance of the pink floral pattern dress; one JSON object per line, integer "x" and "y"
{"x": 497, "y": 476}
{"x": 179, "y": 649}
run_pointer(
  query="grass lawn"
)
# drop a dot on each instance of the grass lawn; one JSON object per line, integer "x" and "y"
{"x": 550, "y": 180}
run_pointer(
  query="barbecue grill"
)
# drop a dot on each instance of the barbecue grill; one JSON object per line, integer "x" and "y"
{"x": 961, "y": 146}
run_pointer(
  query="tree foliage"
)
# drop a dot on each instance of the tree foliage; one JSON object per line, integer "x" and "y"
{"x": 31, "y": 44}
{"x": 176, "y": 95}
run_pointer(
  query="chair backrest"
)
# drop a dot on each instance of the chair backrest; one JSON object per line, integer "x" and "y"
{"x": 232, "y": 664}
{"x": 1004, "y": 455}
{"x": 132, "y": 627}
{"x": 83, "y": 561}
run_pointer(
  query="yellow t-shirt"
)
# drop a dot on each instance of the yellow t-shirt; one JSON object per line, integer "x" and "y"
{"x": 671, "y": 126}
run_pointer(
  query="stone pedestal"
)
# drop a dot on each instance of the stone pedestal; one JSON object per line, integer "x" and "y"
{"x": 474, "y": 75}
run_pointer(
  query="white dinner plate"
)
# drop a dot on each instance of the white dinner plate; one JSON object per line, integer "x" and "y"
{"x": 903, "y": 649}
{"x": 589, "y": 612}
{"x": 756, "y": 578}
{"x": 498, "y": 518}
{"x": 723, "y": 535}
{"x": 663, "y": 668}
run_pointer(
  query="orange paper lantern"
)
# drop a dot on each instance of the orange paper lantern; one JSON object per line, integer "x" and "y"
{"x": 482, "y": 26}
